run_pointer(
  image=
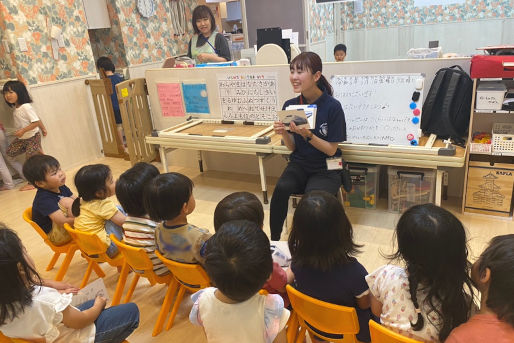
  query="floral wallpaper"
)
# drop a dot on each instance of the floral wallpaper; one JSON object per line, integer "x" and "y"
{"x": 151, "y": 39}
{"x": 389, "y": 13}
{"x": 132, "y": 40}
{"x": 321, "y": 20}
{"x": 28, "y": 19}
{"x": 109, "y": 42}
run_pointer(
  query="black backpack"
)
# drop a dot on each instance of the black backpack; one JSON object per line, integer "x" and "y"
{"x": 447, "y": 106}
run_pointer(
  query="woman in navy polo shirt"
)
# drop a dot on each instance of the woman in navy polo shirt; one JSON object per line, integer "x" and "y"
{"x": 314, "y": 152}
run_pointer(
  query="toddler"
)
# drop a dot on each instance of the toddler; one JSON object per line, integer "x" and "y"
{"x": 323, "y": 265}
{"x": 51, "y": 207}
{"x": 430, "y": 296}
{"x": 40, "y": 311}
{"x": 168, "y": 198}
{"x": 493, "y": 274}
{"x": 238, "y": 262}
{"x": 93, "y": 211}
{"x": 138, "y": 228}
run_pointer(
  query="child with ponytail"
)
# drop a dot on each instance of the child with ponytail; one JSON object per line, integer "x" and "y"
{"x": 93, "y": 211}
{"x": 433, "y": 293}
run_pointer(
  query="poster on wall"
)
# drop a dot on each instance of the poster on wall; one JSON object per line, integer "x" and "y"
{"x": 195, "y": 97}
{"x": 248, "y": 96}
{"x": 170, "y": 98}
{"x": 427, "y": 3}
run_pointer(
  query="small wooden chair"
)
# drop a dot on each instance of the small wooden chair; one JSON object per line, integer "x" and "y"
{"x": 191, "y": 277}
{"x": 326, "y": 317}
{"x": 67, "y": 248}
{"x": 381, "y": 334}
{"x": 94, "y": 250}
{"x": 5, "y": 339}
{"x": 136, "y": 259}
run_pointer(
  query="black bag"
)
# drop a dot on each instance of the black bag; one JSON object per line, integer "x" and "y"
{"x": 447, "y": 106}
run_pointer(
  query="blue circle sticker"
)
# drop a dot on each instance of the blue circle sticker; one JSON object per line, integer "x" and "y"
{"x": 412, "y": 105}
{"x": 415, "y": 120}
{"x": 414, "y": 142}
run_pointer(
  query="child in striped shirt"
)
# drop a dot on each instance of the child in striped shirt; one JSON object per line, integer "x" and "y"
{"x": 139, "y": 229}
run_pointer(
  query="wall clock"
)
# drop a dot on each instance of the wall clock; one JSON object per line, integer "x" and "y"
{"x": 146, "y": 8}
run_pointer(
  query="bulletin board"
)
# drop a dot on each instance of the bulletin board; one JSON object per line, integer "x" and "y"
{"x": 213, "y": 79}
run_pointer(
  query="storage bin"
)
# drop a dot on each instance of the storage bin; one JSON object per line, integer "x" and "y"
{"x": 490, "y": 96}
{"x": 364, "y": 191}
{"x": 425, "y": 52}
{"x": 489, "y": 188}
{"x": 503, "y": 139}
{"x": 409, "y": 187}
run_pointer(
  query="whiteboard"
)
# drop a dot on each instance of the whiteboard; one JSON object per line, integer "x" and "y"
{"x": 379, "y": 108}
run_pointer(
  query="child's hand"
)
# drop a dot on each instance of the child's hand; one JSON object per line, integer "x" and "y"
{"x": 44, "y": 132}
{"x": 100, "y": 301}
{"x": 19, "y": 133}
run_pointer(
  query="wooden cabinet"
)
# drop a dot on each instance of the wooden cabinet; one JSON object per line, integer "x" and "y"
{"x": 489, "y": 179}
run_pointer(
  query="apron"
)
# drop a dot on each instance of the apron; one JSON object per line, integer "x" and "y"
{"x": 206, "y": 48}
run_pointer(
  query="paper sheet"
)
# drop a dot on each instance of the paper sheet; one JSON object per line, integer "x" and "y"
{"x": 170, "y": 98}
{"x": 195, "y": 98}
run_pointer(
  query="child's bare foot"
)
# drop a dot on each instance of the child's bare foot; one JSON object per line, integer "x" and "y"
{"x": 27, "y": 187}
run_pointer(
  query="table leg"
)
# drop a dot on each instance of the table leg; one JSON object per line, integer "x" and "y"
{"x": 164, "y": 160}
{"x": 200, "y": 161}
{"x": 438, "y": 186}
{"x": 262, "y": 173}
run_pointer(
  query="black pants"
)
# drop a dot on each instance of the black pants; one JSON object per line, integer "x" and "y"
{"x": 296, "y": 180}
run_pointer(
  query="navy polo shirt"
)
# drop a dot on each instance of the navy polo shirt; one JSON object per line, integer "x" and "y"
{"x": 330, "y": 126}
{"x": 45, "y": 203}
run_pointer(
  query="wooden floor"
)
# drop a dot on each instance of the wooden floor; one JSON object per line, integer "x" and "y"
{"x": 373, "y": 229}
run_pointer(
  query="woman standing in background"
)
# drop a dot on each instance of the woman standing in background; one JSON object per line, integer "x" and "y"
{"x": 207, "y": 45}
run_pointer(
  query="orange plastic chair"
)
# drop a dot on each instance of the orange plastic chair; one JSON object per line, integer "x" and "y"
{"x": 327, "y": 317}
{"x": 68, "y": 248}
{"x": 138, "y": 260}
{"x": 94, "y": 250}
{"x": 191, "y": 277}
{"x": 381, "y": 334}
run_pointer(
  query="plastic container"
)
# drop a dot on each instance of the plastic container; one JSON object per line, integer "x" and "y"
{"x": 503, "y": 139}
{"x": 490, "y": 96}
{"x": 425, "y": 52}
{"x": 409, "y": 187}
{"x": 364, "y": 191}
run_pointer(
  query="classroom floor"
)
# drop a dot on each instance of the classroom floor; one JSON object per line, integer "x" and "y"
{"x": 372, "y": 228}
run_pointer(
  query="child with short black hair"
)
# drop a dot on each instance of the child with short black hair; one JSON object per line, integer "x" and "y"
{"x": 40, "y": 310}
{"x": 340, "y": 52}
{"x": 246, "y": 206}
{"x": 93, "y": 211}
{"x": 138, "y": 228}
{"x": 108, "y": 67}
{"x": 433, "y": 294}
{"x": 238, "y": 262}
{"x": 323, "y": 265}
{"x": 493, "y": 275}
{"x": 168, "y": 198}
{"x": 51, "y": 207}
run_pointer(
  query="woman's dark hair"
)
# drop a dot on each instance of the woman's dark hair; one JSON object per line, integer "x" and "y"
{"x": 201, "y": 12}
{"x": 311, "y": 61}
{"x": 130, "y": 186}
{"x": 105, "y": 63}
{"x": 19, "y": 277}
{"x": 432, "y": 243}
{"x": 322, "y": 235}
{"x": 238, "y": 259}
{"x": 239, "y": 206}
{"x": 89, "y": 180}
{"x": 165, "y": 195}
{"x": 21, "y": 91}
{"x": 499, "y": 258}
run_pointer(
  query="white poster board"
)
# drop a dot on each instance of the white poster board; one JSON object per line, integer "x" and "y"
{"x": 248, "y": 96}
{"x": 379, "y": 108}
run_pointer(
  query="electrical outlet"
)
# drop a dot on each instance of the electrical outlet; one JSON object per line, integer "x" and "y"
{"x": 23, "y": 44}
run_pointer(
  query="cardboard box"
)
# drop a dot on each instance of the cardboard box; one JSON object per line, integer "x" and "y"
{"x": 489, "y": 188}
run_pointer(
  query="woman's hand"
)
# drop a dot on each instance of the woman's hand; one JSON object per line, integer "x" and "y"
{"x": 204, "y": 57}
{"x": 279, "y": 128}
{"x": 302, "y": 131}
